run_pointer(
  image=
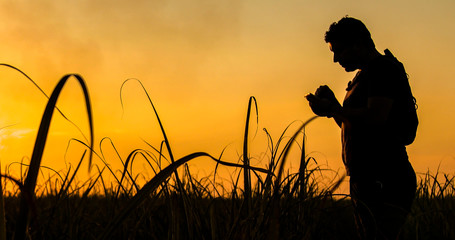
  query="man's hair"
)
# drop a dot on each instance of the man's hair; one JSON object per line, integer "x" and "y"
{"x": 349, "y": 31}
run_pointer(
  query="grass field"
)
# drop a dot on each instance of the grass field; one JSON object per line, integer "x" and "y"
{"x": 259, "y": 203}
{"x": 192, "y": 211}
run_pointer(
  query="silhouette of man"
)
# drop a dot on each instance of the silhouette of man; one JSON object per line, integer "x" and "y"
{"x": 382, "y": 181}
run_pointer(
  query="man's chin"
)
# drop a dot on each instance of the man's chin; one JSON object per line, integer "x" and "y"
{"x": 349, "y": 69}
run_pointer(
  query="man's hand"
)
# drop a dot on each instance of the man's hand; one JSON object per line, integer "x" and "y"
{"x": 325, "y": 92}
{"x": 323, "y": 102}
{"x": 320, "y": 106}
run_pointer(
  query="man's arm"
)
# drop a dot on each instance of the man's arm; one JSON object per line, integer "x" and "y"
{"x": 376, "y": 113}
{"x": 324, "y": 103}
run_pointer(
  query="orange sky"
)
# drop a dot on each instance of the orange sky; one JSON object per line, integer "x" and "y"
{"x": 200, "y": 61}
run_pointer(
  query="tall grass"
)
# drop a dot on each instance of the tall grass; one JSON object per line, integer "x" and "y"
{"x": 433, "y": 213}
{"x": 175, "y": 204}
{"x": 35, "y": 162}
{"x": 246, "y": 161}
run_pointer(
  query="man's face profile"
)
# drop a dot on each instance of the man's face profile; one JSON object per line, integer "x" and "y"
{"x": 344, "y": 55}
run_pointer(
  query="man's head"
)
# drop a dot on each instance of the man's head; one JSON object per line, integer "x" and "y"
{"x": 350, "y": 41}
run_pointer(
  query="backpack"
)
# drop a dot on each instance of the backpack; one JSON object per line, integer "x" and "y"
{"x": 407, "y": 120}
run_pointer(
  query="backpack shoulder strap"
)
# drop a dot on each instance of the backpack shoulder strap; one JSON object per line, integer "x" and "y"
{"x": 392, "y": 57}
{"x": 389, "y": 54}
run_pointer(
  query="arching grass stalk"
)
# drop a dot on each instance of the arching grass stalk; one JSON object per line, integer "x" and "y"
{"x": 40, "y": 142}
{"x": 246, "y": 160}
{"x": 166, "y": 140}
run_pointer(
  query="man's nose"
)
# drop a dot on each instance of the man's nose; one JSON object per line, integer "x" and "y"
{"x": 335, "y": 58}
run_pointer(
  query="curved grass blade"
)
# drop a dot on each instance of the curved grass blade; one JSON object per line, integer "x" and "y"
{"x": 246, "y": 160}
{"x": 35, "y": 162}
{"x": 166, "y": 140}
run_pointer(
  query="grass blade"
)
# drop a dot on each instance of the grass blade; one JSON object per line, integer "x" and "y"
{"x": 246, "y": 160}
{"x": 40, "y": 142}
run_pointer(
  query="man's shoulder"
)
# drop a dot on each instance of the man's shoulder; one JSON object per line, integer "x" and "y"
{"x": 384, "y": 61}
{"x": 384, "y": 64}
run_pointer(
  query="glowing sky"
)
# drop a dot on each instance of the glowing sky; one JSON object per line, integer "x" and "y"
{"x": 200, "y": 61}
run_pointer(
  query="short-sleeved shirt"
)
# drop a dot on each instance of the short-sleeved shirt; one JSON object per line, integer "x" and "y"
{"x": 369, "y": 150}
